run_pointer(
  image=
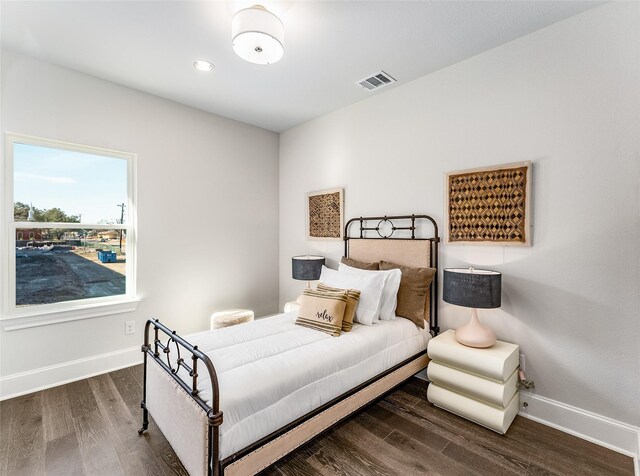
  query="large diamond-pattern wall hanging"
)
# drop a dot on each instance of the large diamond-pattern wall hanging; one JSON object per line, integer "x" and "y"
{"x": 489, "y": 205}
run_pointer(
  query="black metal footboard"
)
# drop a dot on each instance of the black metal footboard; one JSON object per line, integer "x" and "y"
{"x": 171, "y": 362}
{"x": 168, "y": 356}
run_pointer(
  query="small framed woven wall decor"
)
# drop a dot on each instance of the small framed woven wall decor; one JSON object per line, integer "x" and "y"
{"x": 325, "y": 214}
{"x": 489, "y": 205}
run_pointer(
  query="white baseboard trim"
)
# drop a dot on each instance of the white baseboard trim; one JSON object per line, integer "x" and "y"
{"x": 22, "y": 383}
{"x": 590, "y": 426}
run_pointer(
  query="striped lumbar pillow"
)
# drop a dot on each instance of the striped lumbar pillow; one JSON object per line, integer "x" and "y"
{"x": 353, "y": 296}
{"x": 322, "y": 310}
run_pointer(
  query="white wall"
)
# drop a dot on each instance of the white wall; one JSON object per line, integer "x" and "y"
{"x": 566, "y": 98}
{"x": 199, "y": 175}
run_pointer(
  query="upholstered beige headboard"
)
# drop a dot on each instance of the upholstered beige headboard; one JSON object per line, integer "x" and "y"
{"x": 376, "y": 243}
{"x": 413, "y": 253}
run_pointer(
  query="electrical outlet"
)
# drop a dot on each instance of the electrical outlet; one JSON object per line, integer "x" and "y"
{"x": 522, "y": 363}
{"x": 130, "y": 327}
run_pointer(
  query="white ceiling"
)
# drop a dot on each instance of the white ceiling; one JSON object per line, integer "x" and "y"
{"x": 329, "y": 45}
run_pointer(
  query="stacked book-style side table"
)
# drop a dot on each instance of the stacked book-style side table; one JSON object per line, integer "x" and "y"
{"x": 480, "y": 385}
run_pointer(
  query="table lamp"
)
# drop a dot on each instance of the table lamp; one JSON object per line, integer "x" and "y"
{"x": 306, "y": 268}
{"x": 477, "y": 289}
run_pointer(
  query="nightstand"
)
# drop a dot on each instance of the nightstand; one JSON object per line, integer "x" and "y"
{"x": 291, "y": 306}
{"x": 480, "y": 385}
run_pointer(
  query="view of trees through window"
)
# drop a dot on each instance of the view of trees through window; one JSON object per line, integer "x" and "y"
{"x": 21, "y": 213}
{"x": 69, "y": 224}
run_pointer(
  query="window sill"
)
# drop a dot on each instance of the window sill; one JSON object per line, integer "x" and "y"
{"x": 33, "y": 318}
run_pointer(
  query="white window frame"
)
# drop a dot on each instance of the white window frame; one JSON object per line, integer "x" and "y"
{"x": 14, "y": 317}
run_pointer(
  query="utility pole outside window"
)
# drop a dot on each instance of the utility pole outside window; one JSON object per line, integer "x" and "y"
{"x": 121, "y": 205}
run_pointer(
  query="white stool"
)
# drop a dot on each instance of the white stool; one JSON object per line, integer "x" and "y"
{"x": 230, "y": 317}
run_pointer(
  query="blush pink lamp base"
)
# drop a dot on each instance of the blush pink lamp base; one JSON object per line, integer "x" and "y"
{"x": 475, "y": 334}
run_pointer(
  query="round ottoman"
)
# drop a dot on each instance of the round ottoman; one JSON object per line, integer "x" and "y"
{"x": 291, "y": 306}
{"x": 230, "y": 317}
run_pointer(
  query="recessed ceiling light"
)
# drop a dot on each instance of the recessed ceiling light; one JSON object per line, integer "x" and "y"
{"x": 203, "y": 65}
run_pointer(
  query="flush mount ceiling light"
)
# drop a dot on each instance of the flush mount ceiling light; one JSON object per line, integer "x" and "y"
{"x": 257, "y": 35}
{"x": 203, "y": 65}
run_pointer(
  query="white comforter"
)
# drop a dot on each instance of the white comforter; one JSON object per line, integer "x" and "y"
{"x": 271, "y": 371}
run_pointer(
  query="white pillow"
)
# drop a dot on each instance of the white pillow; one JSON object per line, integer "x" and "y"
{"x": 389, "y": 300}
{"x": 370, "y": 288}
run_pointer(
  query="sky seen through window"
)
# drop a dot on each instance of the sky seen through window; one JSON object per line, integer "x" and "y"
{"x": 78, "y": 183}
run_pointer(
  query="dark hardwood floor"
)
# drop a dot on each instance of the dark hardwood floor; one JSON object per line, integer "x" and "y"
{"x": 90, "y": 427}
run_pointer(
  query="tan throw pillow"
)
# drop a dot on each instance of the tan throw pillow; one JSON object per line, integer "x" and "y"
{"x": 322, "y": 310}
{"x": 359, "y": 264}
{"x": 413, "y": 292}
{"x": 353, "y": 296}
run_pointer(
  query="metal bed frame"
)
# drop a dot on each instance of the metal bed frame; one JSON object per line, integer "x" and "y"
{"x": 382, "y": 235}
{"x": 162, "y": 354}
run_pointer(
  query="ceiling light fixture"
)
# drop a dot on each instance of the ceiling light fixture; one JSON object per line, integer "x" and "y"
{"x": 203, "y": 65}
{"x": 257, "y": 35}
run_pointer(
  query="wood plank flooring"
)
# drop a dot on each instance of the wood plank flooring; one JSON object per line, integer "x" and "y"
{"x": 90, "y": 427}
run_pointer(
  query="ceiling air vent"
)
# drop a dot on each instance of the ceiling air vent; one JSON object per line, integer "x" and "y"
{"x": 376, "y": 81}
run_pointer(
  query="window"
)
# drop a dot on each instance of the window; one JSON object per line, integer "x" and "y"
{"x": 76, "y": 206}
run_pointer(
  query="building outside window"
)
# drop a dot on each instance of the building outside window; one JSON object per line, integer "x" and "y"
{"x": 76, "y": 205}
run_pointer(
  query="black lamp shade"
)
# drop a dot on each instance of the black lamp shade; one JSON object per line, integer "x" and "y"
{"x": 477, "y": 288}
{"x": 306, "y": 268}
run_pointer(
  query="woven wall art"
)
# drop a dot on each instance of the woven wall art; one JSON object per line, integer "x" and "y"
{"x": 489, "y": 205}
{"x": 325, "y": 214}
